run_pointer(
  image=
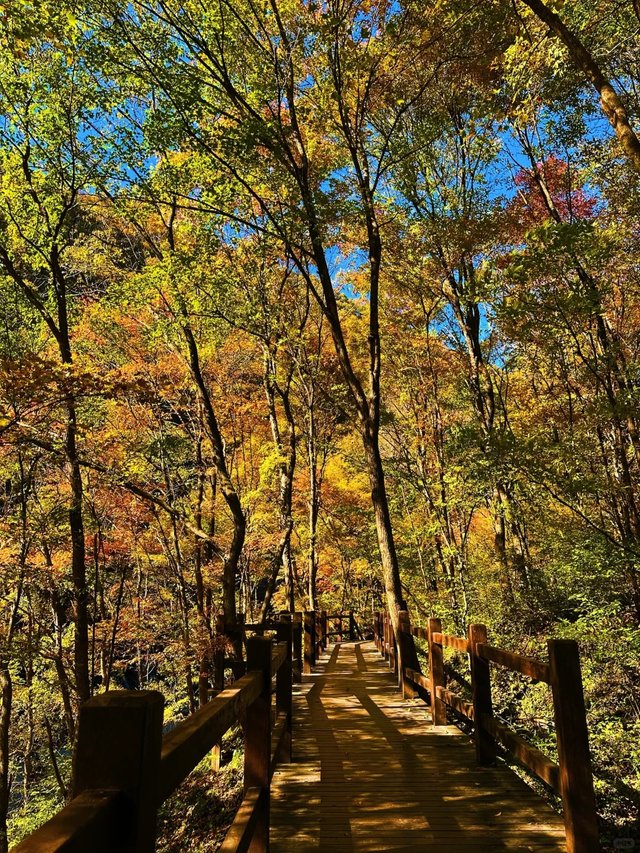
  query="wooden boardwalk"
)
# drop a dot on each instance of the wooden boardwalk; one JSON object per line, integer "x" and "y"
{"x": 370, "y": 773}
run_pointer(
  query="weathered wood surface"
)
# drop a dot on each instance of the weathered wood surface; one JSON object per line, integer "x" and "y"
{"x": 370, "y": 774}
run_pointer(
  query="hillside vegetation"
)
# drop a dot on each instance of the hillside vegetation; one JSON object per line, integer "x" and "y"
{"x": 314, "y": 304}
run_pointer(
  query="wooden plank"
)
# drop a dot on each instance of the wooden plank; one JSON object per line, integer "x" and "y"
{"x": 191, "y": 739}
{"x": 436, "y": 674}
{"x": 278, "y": 736}
{"x": 456, "y": 702}
{"x": 576, "y": 781}
{"x": 481, "y": 692}
{"x": 421, "y": 633}
{"x": 518, "y": 663}
{"x": 240, "y": 833}
{"x": 257, "y": 742}
{"x": 526, "y": 754}
{"x": 261, "y": 626}
{"x": 278, "y": 656}
{"x": 417, "y": 678}
{"x": 371, "y": 775}
{"x": 89, "y": 822}
{"x": 451, "y": 641}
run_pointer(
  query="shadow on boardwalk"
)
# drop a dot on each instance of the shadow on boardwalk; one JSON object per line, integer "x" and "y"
{"x": 370, "y": 773}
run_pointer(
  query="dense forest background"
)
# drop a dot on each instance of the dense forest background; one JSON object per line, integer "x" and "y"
{"x": 315, "y": 304}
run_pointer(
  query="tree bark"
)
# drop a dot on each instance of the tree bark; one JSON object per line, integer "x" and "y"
{"x": 287, "y": 457}
{"x": 314, "y": 509}
{"x": 78, "y": 567}
{"x": 6, "y": 696}
{"x": 585, "y": 62}
{"x": 229, "y": 493}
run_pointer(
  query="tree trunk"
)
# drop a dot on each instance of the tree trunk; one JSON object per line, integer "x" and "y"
{"x": 314, "y": 507}
{"x": 229, "y": 493}
{"x": 287, "y": 456}
{"x": 585, "y": 62}
{"x": 6, "y": 696}
{"x": 384, "y": 532}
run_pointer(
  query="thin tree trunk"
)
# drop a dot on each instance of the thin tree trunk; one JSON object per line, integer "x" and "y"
{"x": 314, "y": 507}
{"x": 229, "y": 493}
{"x": 6, "y": 697}
{"x": 386, "y": 544}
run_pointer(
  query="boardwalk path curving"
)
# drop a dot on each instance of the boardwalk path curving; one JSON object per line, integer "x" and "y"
{"x": 370, "y": 773}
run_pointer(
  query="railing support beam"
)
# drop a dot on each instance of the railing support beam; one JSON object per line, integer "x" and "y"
{"x": 482, "y": 704}
{"x": 309, "y": 640}
{"x": 576, "y": 781}
{"x": 283, "y": 688}
{"x": 436, "y": 674}
{"x": 257, "y": 750}
{"x": 298, "y": 648}
{"x": 408, "y": 655}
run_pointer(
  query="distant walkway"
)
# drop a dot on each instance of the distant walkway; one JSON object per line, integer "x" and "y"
{"x": 370, "y": 773}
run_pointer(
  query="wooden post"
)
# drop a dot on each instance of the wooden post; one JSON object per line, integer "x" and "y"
{"x": 118, "y": 748}
{"x": 482, "y": 704}
{"x": 298, "y": 664}
{"x": 324, "y": 629}
{"x": 401, "y": 660}
{"x": 257, "y": 749}
{"x": 284, "y": 678}
{"x": 408, "y": 655}
{"x": 385, "y": 636}
{"x": 309, "y": 640}
{"x": 436, "y": 674}
{"x": 576, "y": 780}
{"x": 218, "y": 682}
{"x": 352, "y": 627}
{"x": 318, "y": 624}
{"x": 393, "y": 653}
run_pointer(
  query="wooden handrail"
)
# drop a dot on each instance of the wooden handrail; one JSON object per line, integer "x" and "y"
{"x": 241, "y": 831}
{"x": 517, "y": 663}
{"x": 125, "y": 769}
{"x": 526, "y": 754}
{"x": 571, "y": 777}
{"x": 88, "y": 822}
{"x": 454, "y": 701}
{"x": 451, "y": 641}
{"x": 187, "y": 744}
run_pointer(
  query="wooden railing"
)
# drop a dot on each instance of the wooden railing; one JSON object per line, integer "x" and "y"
{"x": 571, "y": 777}
{"x": 320, "y": 627}
{"x": 124, "y": 769}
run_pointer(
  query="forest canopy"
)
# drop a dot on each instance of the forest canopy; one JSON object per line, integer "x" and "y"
{"x": 314, "y": 305}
